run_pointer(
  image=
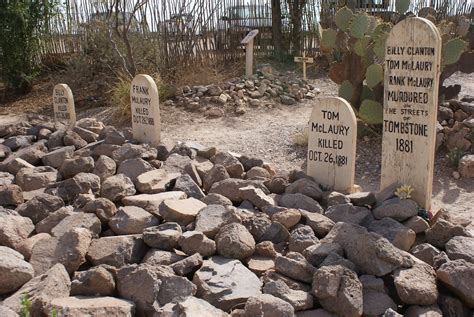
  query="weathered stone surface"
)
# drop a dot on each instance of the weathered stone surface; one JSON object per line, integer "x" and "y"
{"x": 266, "y": 305}
{"x": 417, "y": 224}
{"x": 132, "y": 168}
{"x": 416, "y": 285}
{"x": 301, "y": 238}
{"x": 96, "y": 281}
{"x": 160, "y": 257}
{"x": 190, "y": 306}
{"x": 215, "y": 174}
{"x": 48, "y": 223}
{"x": 14, "y": 271}
{"x": 466, "y": 166}
{"x": 78, "y": 220}
{"x": 230, "y": 188}
{"x": 338, "y": 290}
{"x": 423, "y": 311}
{"x": 164, "y": 236}
{"x": 294, "y": 265}
{"x": 152, "y": 202}
{"x": 399, "y": 235}
{"x": 315, "y": 313}
{"x": 26, "y": 246}
{"x": 277, "y": 184}
{"x": 68, "y": 249}
{"x": 458, "y": 276}
{"x": 287, "y": 217}
{"x": 398, "y": 209}
{"x": 300, "y": 300}
{"x": 216, "y": 199}
{"x": 76, "y": 165}
{"x": 55, "y": 158}
{"x": 130, "y": 151}
{"x": 258, "y": 172}
{"x": 6, "y": 178}
{"x": 7, "y": 312}
{"x": 335, "y": 198}
{"x": 81, "y": 183}
{"x": 349, "y": 213}
{"x": 275, "y": 232}
{"x": 186, "y": 184}
{"x": 38, "y": 177}
{"x": 103, "y": 208}
{"x": 182, "y": 211}
{"x": 318, "y": 252}
{"x": 155, "y": 181}
{"x": 461, "y": 248}
{"x": 93, "y": 306}
{"x": 442, "y": 231}
{"x": 225, "y": 283}
{"x": 425, "y": 252}
{"x": 104, "y": 250}
{"x": 320, "y": 224}
{"x": 259, "y": 264}
{"x": 117, "y": 187}
{"x": 132, "y": 220}
{"x": 376, "y": 299}
{"x": 235, "y": 241}
{"x": 231, "y": 164}
{"x": 196, "y": 242}
{"x": 14, "y": 229}
{"x": 11, "y": 195}
{"x": 187, "y": 265}
{"x": 104, "y": 167}
{"x": 212, "y": 217}
{"x": 300, "y": 201}
{"x": 112, "y": 136}
{"x": 306, "y": 187}
{"x": 335, "y": 259}
{"x": 452, "y": 306}
{"x": 362, "y": 199}
{"x": 41, "y": 290}
{"x": 256, "y": 196}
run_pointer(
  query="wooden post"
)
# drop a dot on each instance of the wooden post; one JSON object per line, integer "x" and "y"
{"x": 412, "y": 69}
{"x": 305, "y": 60}
{"x": 248, "y": 42}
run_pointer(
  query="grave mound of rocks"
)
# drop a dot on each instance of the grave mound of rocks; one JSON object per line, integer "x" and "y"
{"x": 265, "y": 89}
{"x": 94, "y": 223}
{"x": 455, "y": 131}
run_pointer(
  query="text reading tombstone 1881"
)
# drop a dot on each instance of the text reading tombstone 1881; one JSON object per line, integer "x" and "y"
{"x": 146, "y": 122}
{"x": 412, "y": 68}
{"x": 332, "y": 137}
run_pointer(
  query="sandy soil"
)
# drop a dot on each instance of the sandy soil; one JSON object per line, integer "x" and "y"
{"x": 269, "y": 134}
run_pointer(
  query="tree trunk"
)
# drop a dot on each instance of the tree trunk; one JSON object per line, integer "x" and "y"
{"x": 276, "y": 29}
{"x": 296, "y": 12}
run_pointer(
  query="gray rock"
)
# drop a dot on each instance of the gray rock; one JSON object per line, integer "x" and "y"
{"x": 190, "y": 306}
{"x": 132, "y": 220}
{"x": 397, "y": 209}
{"x": 349, "y": 213}
{"x": 175, "y": 288}
{"x": 117, "y": 187}
{"x": 183, "y": 211}
{"x": 55, "y": 158}
{"x": 41, "y": 290}
{"x": 461, "y": 248}
{"x": 452, "y": 307}
{"x": 423, "y": 311}
{"x": 164, "y": 236}
{"x": 258, "y": 172}
{"x": 442, "y": 231}
{"x": 104, "y": 167}
{"x": 11, "y": 195}
{"x": 300, "y": 300}
{"x": 277, "y": 184}
{"x": 196, "y": 242}
{"x": 376, "y": 303}
{"x": 48, "y": 223}
{"x": 416, "y": 285}
{"x": 256, "y": 196}
{"x": 216, "y": 199}
{"x": 318, "y": 252}
{"x": 104, "y": 250}
{"x": 130, "y": 151}
{"x": 212, "y": 217}
{"x": 226, "y": 283}
{"x": 186, "y": 184}
{"x": 266, "y": 305}
{"x": 235, "y": 241}
{"x": 335, "y": 259}
{"x": 301, "y": 238}
{"x": 78, "y": 220}
{"x": 295, "y": 266}
{"x": 14, "y": 271}
{"x": 156, "y": 257}
{"x": 338, "y": 290}
{"x": 14, "y": 229}
{"x": 287, "y": 217}
{"x": 320, "y": 224}
{"x": 152, "y": 202}
{"x": 306, "y": 187}
{"x": 97, "y": 281}
{"x": 132, "y": 168}
{"x": 362, "y": 199}
{"x": 82, "y": 183}
{"x": 417, "y": 224}
{"x": 425, "y": 252}
{"x": 336, "y": 198}
{"x": 76, "y": 165}
{"x": 187, "y": 265}
{"x": 103, "y": 208}
{"x": 6, "y": 178}
{"x": 93, "y": 306}
{"x": 399, "y": 235}
{"x": 300, "y": 201}
{"x": 275, "y": 233}
{"x": 458, "y": 276}
{"x": 231, "y": 164}
{"x": 26, "y": 246}
{"x": 155, "y": 181}
{"x": 231, "y": 188}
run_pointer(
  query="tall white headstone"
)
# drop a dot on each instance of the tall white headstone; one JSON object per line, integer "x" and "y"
{"x": 412, "y": 69}
{"x": 332, "y": 137}
{"x": 63, "y": 104}
{"x": 146, "y": 124}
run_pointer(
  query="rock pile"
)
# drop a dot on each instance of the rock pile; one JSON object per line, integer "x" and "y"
{"x": 92, "y": 223}
{"x": 455, "y": 131}
{"x": 262, "y": 90}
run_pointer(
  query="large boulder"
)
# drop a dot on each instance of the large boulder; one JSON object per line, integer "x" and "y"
{"x": 97, "y": 281}
{"x": 416, "y": 285}
{"x": 78, "y": 220}
{"x": 41, "y": 290}
{"x": 186, "y": 184}
{"x": 461, "y": 248}
{"x": 306, "y": 187}
{"x": 14, "y": 229}
{"x": 93, "y": 306}
{"x": 134, "y": 167}
{"x": 38, "y": 177}
{"x": 458, "y": 276}
{"x": 400, "y": 236}
{"x": 442, "y": 231}
{"x": 14, "y": 271}
{"x": 48, "y": 223}
{"x": 76, "y": 165}
{"x": 104, "y": 167}
{"x": 320, "y": 224}
{"x": 69, "y": 249}
{"x": 104, "y": 250}
{"x": 425, "y": 252}
{"x": 396, "y": 208}
{"x": 132, "y": 220}
{"x": 226, "y": 283}
{"x": 235, "y": 241}
{"x": 55, "y": 158}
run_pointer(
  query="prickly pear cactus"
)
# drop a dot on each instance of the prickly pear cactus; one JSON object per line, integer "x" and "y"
{"x": 345, "y": 90}
{"x": 402, "y": 6}
{"x": 371, "y": 112}
{"x": 359, "y": 25}
{"x": 374, "y": 75}
{"x": 328, "y": 40}
{"x": 452, "y": 51}
{"x": 343, "y": 18}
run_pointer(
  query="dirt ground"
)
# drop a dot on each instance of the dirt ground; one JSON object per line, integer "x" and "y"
{"x": 269, "y": 134}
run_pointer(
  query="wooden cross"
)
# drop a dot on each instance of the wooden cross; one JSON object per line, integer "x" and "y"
{"x": 248, "y": 41}
{"x": 305, "y": 60}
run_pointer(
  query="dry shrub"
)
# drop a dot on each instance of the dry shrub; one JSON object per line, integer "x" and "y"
{"x": 301, "y": 137}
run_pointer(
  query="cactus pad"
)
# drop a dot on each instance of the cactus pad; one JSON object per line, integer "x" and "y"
{"x": 345, "y": 90}
{"x": 374, "y": 75}
{"x": 452, "y": 50}
{"x": 367, "y": 93}
{"x": 379, "y": 46}
{"x": 360, "y": 47}
{"x": 343, "y": 18}
{"x": 371, "y": 112}
{"x": 359, "y": 25}
{"x": 402, "y": 6}
{"x": 328, "y": 40}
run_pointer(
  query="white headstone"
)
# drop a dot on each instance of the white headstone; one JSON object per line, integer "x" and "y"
{"x": 63, "y": 104}
{"x": 146, "y": 122}
{"x": 332, "y": 137}
{"x": 412, "y": 68}
{"x": 248, "y": 41}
